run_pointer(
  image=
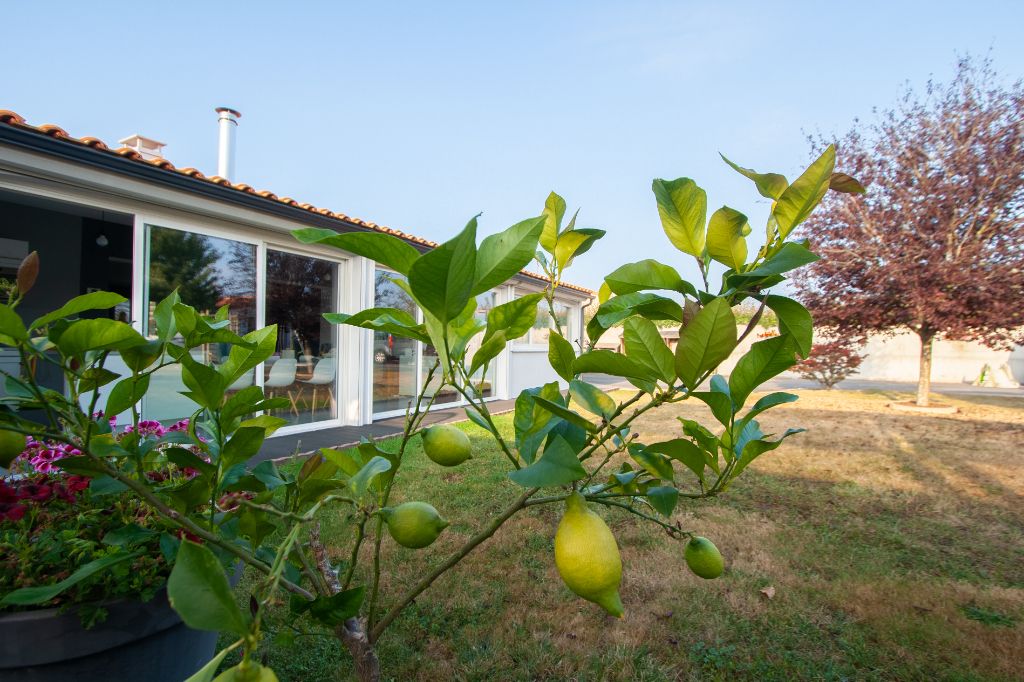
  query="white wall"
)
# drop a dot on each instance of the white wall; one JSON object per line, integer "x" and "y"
{"x": 530, "y": 368}
{"x": 896, "y": 359}
{"x": 528, "y": 365}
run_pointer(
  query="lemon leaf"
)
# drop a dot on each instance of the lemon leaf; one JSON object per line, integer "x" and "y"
{"x": 558, "y": 465}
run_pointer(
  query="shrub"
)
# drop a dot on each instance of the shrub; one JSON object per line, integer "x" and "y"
{"x": 831, "y": 362}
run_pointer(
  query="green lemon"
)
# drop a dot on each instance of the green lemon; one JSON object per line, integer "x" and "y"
{"x": 446, "y": 445}
{"x": 12, "y": 444}
{"x": 413, "y": 524}
{"x": 587, "y": 556}
{"x": 252, "y": 672}
{"x": 703, "y": 558}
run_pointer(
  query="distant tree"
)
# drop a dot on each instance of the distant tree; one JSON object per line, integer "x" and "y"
{"x": 831, "y": 361}
{"x": 184, "y": 261}
{"x": 746, "y": 311}
{"x": 937, "y": 243}
{"x": 390, "y": 295}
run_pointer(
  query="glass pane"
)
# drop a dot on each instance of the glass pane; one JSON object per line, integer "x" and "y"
{"x": 304, "y": 369}
{"x": 483, "y": 382}
{"x": 208, "y": 272}
{"x": 543, "y": 325}
{"x": 394, "y": 357}
{"x": 443, "y": 395}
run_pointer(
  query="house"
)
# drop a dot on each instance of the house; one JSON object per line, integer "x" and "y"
{"x": 126, "y": 220}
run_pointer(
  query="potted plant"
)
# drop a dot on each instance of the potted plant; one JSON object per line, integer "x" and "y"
{"x": 572, "y": 448}
{"x": 84, "y": 568}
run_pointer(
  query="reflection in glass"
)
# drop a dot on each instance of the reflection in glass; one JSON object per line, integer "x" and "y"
{"x": 543, "y": 325}
{"x": 447, "y": 394}
{"x": 208, "y": 272}
{"x": 394, "y": 357}
{"x": 482, "y": 379}
{"x": 304, "y": 368}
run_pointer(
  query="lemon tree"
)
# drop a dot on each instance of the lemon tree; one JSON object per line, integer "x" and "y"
{"x": 571, "y": 444}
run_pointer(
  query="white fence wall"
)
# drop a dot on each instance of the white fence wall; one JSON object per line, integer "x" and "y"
{"x": 896, "y": 358}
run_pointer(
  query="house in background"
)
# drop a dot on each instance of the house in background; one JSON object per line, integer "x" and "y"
{"x": 127, "y": 220}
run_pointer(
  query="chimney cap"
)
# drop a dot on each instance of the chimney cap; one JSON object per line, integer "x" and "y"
{"x": 147, "y": 146}
{"x": 228, "y": 110}
{"x": 135, "y": 139}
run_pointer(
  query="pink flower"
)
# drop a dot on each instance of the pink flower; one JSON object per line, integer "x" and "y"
{"x": 44, "y": 458}
{"x": 147, "y": 427}
{"x": 179, "y": 426}
{"x": 112, "y": 421}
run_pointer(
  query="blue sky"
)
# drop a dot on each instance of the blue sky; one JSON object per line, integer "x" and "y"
{"x": 419, "y": 115}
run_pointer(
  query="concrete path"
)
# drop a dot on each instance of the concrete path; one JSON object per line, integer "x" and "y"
{"x": 280, "y": 447}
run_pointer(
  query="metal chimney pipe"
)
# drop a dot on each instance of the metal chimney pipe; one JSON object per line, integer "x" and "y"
{"x": 227, "y": 120}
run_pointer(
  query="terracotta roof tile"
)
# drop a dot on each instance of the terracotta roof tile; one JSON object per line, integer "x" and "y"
{"x": 53, "y": 131}
{"x": 12, "y": 119}
{"x": 93, "y": 142}
{"x": 130, "y": 153}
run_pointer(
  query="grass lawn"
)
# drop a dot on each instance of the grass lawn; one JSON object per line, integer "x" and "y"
{"x": 893, "y": 545}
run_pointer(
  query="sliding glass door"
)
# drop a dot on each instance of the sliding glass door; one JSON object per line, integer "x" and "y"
{"x": 208, "y": 273}
{"x": 304, "y": 370}
{"x": 402, "y": 367}
{"x": 483, "y": 379}
{"x": 394, "y": 357}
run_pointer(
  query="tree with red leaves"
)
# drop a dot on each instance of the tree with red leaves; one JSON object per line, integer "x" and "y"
{"x": 936, "y": 245}
{"x": 831, "y": 361}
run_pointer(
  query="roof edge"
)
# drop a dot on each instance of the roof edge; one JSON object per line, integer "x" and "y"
{"x": 54, "y": 140}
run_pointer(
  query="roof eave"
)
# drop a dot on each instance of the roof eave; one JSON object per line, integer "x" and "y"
{"x": 115, "y": 163}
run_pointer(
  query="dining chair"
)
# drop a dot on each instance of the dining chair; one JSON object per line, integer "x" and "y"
{"x": 323, "y": 375}
{"x": 282, "y": 373}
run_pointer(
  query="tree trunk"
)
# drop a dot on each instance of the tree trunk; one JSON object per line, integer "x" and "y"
{"x": 352, "y": 633}
{"x": 924, "y": 378}
{"x": 364, "y": 658}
